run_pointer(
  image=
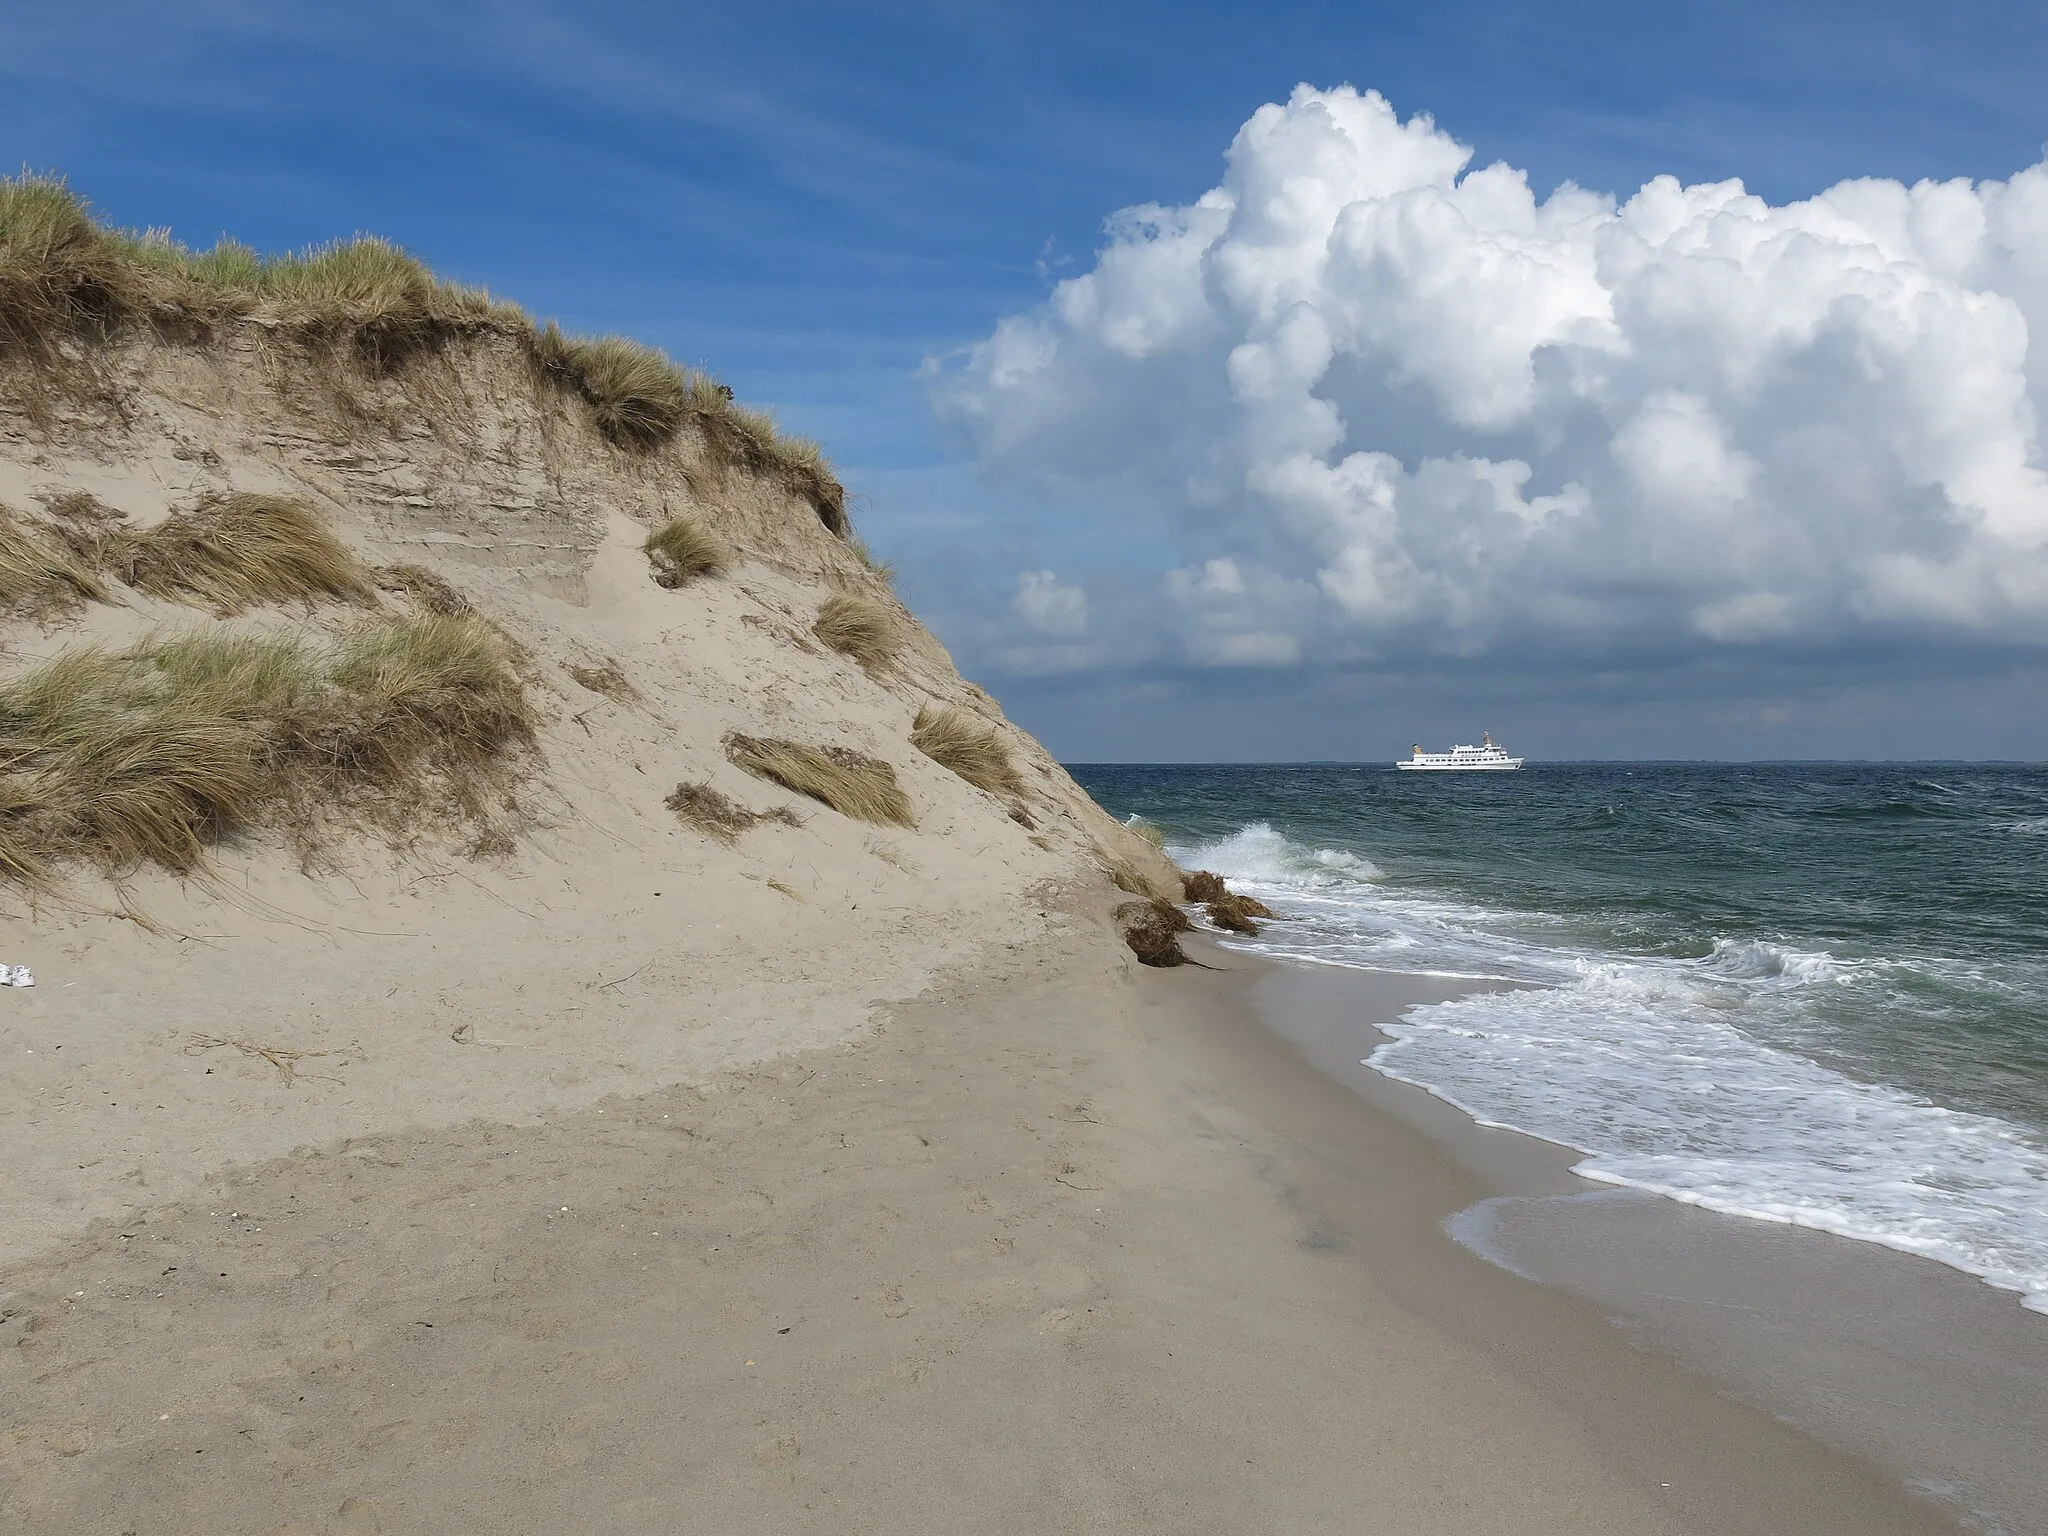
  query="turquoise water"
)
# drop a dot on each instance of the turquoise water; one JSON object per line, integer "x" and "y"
{"x": 1806, "y": 993}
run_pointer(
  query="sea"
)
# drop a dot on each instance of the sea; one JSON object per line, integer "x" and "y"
{"x": 1813, "y": 994}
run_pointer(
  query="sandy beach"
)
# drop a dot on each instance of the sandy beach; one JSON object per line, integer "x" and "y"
{"x": 1060, "y": 1244}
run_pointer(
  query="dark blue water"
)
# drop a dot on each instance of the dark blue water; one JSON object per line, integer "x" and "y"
{"x": 1809, "y": 993}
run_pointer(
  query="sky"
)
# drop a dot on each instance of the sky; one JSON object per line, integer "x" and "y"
{"x": 1359, "y": 431}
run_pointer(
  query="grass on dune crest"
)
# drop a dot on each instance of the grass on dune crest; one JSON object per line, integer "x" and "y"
{"x": 969, "y": 746}
{"x": 231, "y": 552}
{"x": 860, "y": 627}
{"x": 637, "y": 397}
{"x": 150, "y": 755}
{"x": 851, "y": 783}
{"x": 65, "y": 278}
{"x": 681, "y": 550}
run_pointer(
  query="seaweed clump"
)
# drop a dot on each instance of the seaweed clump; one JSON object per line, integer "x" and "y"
{"x": 1152, "y": 930}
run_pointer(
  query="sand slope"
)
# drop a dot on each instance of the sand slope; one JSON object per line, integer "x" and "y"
{"x": 611, "y": 949}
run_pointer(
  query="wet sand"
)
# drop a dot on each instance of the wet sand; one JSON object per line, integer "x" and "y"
{"x": 1920, "y": 1368}
{"x": 1062, "y": 1246}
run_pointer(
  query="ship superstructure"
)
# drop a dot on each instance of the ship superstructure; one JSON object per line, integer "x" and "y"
{"x": 1488, "y": 757}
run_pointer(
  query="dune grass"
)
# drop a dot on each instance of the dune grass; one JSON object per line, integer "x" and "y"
{"x": 431, "y": 592}
{"x": 860, "y": 627}
{"x": 610, "y": 680}
{"x": 60, "y": 275}
{"x": 123, "y": 760}
{"x": 38, "y": 576}
{"x": 425, "y": 693}
{"x": 851, "y": 783}
{"x": 637, "y": 397}
{"x": 681, "y": 550}
{"x": 718, "y": 815}
{"x": 1127, "y": 875}
{"x": 874, "y": 563}
{"x": 1150, "y": 831}
{"x": 65, "y": 277}
{"x": 232, "y": 552}
{"x": 148, "y": 756}
{"x": 969, "y": 746}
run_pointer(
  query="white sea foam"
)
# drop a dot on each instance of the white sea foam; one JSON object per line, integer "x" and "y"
{"x": 1259, "y": 855}
{"x": 1645, "y": 1064}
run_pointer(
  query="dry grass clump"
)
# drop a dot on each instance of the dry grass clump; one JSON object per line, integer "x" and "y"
{"x": 718, "y": 815}
{"x": 148, "y": 755}
{"x": 1201, "y": 885}
{"x": 1152, "y": 929}
{"x": 91, "y": 530}
{"x": 231, "y": 552}
{"x": 851, "y": 783}
{"x": 860, "y": 627}
{"x": 680, "y": 550}
{"x": 425, "y": 588}
{"x": 609, "y": 680}
{"x": 39, "y": 578}
{"x": 954, "y": 739}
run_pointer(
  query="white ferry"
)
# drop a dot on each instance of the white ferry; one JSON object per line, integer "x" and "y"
{"x": 1488, "y": 757}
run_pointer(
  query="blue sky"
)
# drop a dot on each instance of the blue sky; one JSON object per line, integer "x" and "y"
{"x": 811, "y": 199}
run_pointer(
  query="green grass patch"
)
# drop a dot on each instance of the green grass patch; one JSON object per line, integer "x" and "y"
{"x": 148, "y": 756}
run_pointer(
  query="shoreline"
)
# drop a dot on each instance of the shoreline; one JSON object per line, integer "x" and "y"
{"x": 1898, "y": 1359}
{"x": 1059, "y": 1245}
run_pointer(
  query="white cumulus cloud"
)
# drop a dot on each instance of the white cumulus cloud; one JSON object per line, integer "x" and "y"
{"x": 1395, "y": 406}
{"x": 1046, "y": 606}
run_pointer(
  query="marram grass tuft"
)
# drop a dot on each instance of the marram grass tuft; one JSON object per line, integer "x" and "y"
{"x": 851, "y": 783}
{"x": 150, "y": 755}
{"x": 969, "y": 746}
{"x": 860, "y": 627}
{"x": 681, "y": 550}
{"x": 233, "y": 552}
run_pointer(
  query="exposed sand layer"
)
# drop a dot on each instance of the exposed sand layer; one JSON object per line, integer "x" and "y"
{"x": 1060, "y": 1246}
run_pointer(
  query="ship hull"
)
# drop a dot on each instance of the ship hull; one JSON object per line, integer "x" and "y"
{"x": 1512, "y": 765}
